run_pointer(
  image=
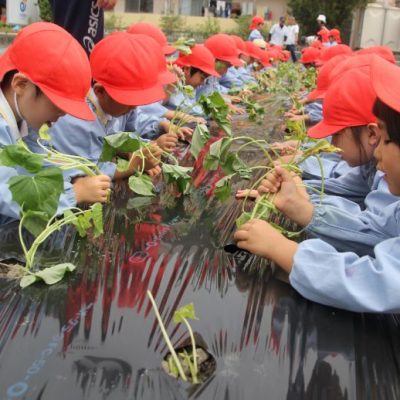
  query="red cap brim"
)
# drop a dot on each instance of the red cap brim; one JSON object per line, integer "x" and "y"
{"x": 323, "y": 130}
{"x": 137, "y": 97}
{"x": 168, "y": 50}
{"x": 210, "y": 71}
{"x": 77, "y": 108}
{"x": 6, "y": 64}
{"x": 235, "y": 61}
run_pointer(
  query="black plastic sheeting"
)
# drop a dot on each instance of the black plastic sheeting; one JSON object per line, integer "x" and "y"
{"x": 94, "y": 336}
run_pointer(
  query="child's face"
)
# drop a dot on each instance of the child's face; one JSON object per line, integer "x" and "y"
{"x": 221, "y": 67}
{"x": 356, "y": 152}
{"x": 387, "y": 155}
{"x": 196, "y": 79}
{"x": 108, "y": 104}
{"x": 35, "y": 107}
{"x": 246, "y": 59}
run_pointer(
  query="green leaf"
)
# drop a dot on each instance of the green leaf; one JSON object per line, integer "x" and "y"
{"x": 189, "y": 90}
{"x": 18, "y": 155}
{"x": 200, "y": 137}
{"x": 223, "y": 188}
{"x": 139, "y": 202}
{"x": 119, "y": 142}
{"x": 234, "y": 164}
{"x": 97, "y": 217}
{"x": 44, "y": 132}
{"x": 243, "y": 218}
{"x": 187, "y": 312}
{"x": 142, "y": 185}
{"x": 49, "y": 275}
{"x": 122, "y": 165}
{"x": 35, "y": 221}
{"x": 40, "y": 192}
{"x": 178, "y": 174}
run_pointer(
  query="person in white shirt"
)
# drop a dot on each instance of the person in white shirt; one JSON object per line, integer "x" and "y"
{"x": 292, "y": 37}
{"x": 278, "y": 33}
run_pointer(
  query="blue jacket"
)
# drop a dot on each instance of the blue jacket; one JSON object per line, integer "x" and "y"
{"x": 184, "y": 103}
{"x": 314, "y": 111}
{"x": 255, "y": 34}
{"x": 210, "y": 86}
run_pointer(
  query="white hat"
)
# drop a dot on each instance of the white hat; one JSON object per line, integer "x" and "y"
{"x": 321, "y": 18}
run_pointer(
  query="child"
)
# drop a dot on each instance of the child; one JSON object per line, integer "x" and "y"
{"x": 310, "y": 56}
{"x": 255, "y": 27}
{"x": 127, "y": 72}
{"x": 317, "y": 270}
{"x": 39, "y": 84}
{"x": 144, "y": 28}
{"x": 197, "y": 67}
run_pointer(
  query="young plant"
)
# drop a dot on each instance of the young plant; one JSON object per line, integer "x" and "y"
{"x": 140, "y": 183}
{"x": 215, "y": 107}
{"x": 38, "y": 196}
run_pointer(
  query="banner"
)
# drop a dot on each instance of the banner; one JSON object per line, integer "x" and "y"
{"x": 22, "y": 12}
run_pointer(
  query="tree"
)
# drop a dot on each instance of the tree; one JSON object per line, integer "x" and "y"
{"x": 339, "y": 14}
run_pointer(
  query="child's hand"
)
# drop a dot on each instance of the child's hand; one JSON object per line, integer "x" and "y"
{"x": 247, "y": 193}
{"x": 301, "y": 117}
{"x": 167, "y": 142}
{"x": 152, "y": 155}
{"x": 237, "y": 110}
{"x": 198, "y": 120}
{"x": 260, "y": 238}
{"x": 92, "y": 189}
{"x": 154, "y": 171}
{"x": 288, "y": 147}
{"x": 290, "y": 196}
{"x": 184, "y": 132}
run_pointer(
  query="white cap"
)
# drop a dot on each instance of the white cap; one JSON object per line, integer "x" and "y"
{"x": 321, "y": 18}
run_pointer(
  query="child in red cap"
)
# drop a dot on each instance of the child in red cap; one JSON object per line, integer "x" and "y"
{"x": 44, "y": 74}
{"x": 356, "y": 266}
{"x": 196, "y": 67}
{"x": 255, "y": 27}
{"x": 128, "y": 70}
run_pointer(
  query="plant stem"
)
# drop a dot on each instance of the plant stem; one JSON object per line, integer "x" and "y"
{"x": 166, "y": 337}
{"x": 194, "y": 351}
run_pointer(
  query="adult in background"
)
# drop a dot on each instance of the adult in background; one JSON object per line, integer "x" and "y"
{"x": 321, "y": 20}
{"x": 83, "y": 19}
{"x": 278, "y": 33}
{"x": 255, "y": 27}
{"x": 292, "y": 37}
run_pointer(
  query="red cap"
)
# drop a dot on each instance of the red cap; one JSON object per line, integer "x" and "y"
{"x": 201, "y": 58}
{"x": 382, "y": 51}
{"x": 317, "y": 44}
{"x": 385, "y": 78}
{"x": 336, "y": 34}
{"x": 240, "y": 44}
{"x": 256, "y": 21}
{"x": 128, "y": 67}
{"x": 330, "y": 52}
{"x": 285, "y": 55}
{"x": 156, "y": 33}
{"x": 324, "y": 77}
{"x": 265, "y": 58}
{"x": 324, "y": 35}
{"x": 347, "y": 103}
{"x": 54, "y": 61}
{"x": 252, "y": 50}
{"x": 224, "y": 48}
{"x": 362, "y": 61}
{"x": 310, "y": 55}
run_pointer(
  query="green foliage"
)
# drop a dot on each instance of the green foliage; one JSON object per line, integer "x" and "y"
{"x": 242, "y": 27}
{"x": 215, "y": 107}
{"x": 121, "y": 142}
{"x": 112, "y": 22}
{"x": 178, "y": 174}
{"x": 200, "y": 137}
{"x": 223, "y": 188}
{"x": 46, "y": 13}
{"x": 184, "y": 45}
{"x": 49, "y": 275}
{"x": 172, "y": 23}
{"x": 338, "y": 13}
{"x": 142, "y": 185}
{"x": 18, "y": 155}
{"x": 209, "y": 27}
{"x": 185, "y": 312}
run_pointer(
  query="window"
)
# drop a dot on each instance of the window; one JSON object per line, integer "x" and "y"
{"x": 145, "y": 6}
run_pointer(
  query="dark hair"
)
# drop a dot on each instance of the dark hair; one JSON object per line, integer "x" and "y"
{"x": 6, "y": 82}
{"x": 194, "y": 70}
{"x": 356, "y": 132}
{"x": 390, "y": 117}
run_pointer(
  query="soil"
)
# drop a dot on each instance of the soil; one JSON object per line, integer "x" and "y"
{"x": 11, "y": 270}
{"x": 206, "y": 363}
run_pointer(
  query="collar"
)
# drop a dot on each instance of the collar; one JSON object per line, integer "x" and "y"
{"x": 101, "y": 115}
{"x": 7, "y": 113}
